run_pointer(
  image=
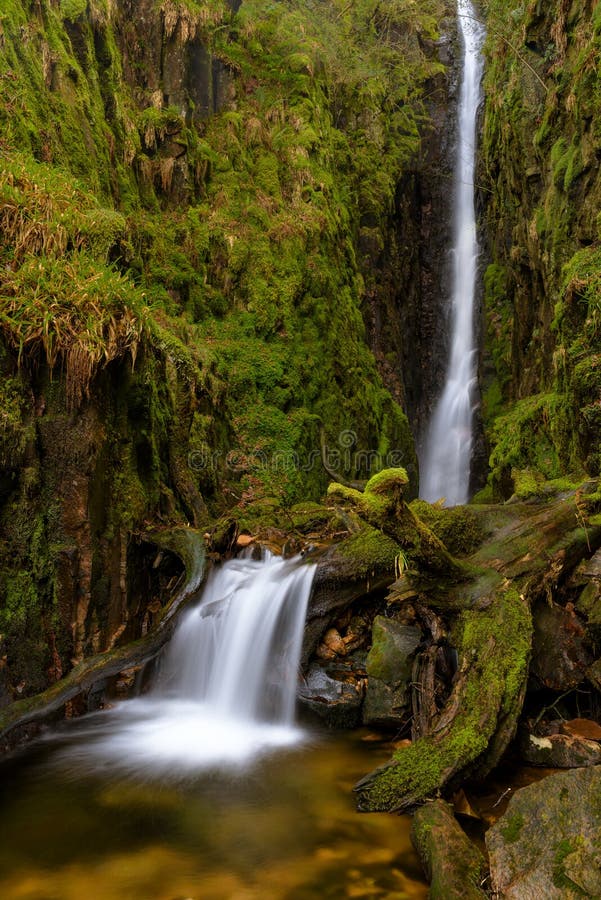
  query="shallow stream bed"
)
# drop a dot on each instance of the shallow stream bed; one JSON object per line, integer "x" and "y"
{"x": 285, "y": 829}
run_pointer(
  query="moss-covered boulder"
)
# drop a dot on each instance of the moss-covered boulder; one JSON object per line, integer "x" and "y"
{"x": 548, "y": 842}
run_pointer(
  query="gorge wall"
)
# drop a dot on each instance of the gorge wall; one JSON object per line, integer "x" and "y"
{"x": 197, "y": 218}
{"x": 540, "y": 174}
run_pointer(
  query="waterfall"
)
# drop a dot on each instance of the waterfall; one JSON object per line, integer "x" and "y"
{"x": 239, "y": 650}
{"x": 226, "y": 687}
{"x": 446, "y": 457}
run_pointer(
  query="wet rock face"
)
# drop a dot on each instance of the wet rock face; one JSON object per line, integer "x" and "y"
{"x": 405, "y": 261}
{"x": 166, "y": 59}
{"x": 542, "y": 180}
{"x": 548, "y": 843}
{"x": 92, "y": 585}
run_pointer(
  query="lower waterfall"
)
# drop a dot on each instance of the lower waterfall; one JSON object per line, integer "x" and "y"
{"x": 226, "y": 687}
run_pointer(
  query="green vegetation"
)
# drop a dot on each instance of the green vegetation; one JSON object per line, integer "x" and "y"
{"x": 459, "y": 528}
{"x": 512, "y": 829}
{"x": 542, "y": 292}
{"x": 239, "y": 228}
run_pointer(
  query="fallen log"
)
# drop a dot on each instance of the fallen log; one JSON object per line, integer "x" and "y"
{"x": 536, "y": 544}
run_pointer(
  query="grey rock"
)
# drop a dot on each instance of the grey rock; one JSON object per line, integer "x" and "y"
{"x": 335, "y": 703}
{"x": 547, "y": 846}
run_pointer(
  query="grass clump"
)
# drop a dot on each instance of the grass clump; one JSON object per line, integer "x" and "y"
{"x": 78, "y": 314}
{"x": 61, "y": 300}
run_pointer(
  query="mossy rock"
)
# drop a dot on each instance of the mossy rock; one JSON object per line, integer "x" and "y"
{"x": 393, "y": 646}
{"x": 389, "y": 666}
{"x": 454, "y": 865}
{"x": 548, "y": 842}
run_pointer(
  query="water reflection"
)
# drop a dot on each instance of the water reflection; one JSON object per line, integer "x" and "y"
{"x": 285, "y": 829}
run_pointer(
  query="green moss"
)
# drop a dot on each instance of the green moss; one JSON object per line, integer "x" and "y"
{"x": 387, "y": 482}
{"x": 459, "y": 528}
{"x": 192, "y": 279}
{"x": 484, "y": 496}
{"x": 561, "y": 880}
{"x": 534, "y": 440}
{"x": 14, "y": 433}
{"x": 541, "y": 293}
{"x": 73, "y": 9}
{"x": 512, "y": 830}
{"x": 371, "y": 552}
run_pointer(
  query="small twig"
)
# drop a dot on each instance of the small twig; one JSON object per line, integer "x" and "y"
{"x": 502, "y": 797}
{"x": 547, "y": 709}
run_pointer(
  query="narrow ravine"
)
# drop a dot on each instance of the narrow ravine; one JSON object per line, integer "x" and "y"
{"x": 447, "y": 450}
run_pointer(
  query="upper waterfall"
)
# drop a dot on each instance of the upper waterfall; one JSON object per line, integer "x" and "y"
{"x": 447, "y": 451}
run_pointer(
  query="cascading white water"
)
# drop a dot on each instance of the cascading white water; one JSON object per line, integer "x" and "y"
{"x": 227, "y": 684}
{"x": 239, "y": 650}
{"x": 446, "y": 457}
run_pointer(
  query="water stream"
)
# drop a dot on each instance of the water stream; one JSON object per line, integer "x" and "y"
{"x": 179, "y": 794}
{"x": 446, "y": 457}
{"x": 284, "y": 829}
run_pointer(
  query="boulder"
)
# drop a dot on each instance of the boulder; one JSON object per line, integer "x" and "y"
{"x": 389, "y": 666}
{"x": 548, "y": 843}
{"x": 333, "y": 701}
{"x": 559, "y": 751}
